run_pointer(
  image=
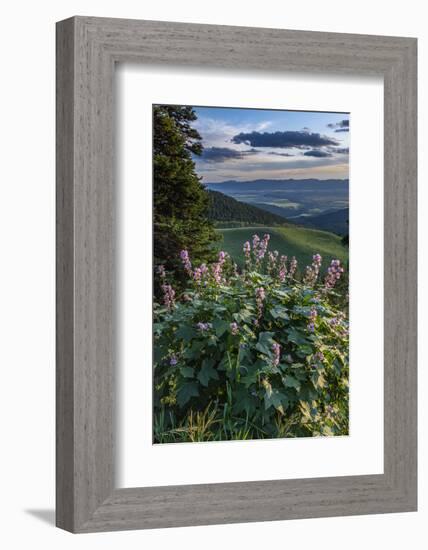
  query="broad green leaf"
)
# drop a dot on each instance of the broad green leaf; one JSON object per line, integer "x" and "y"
{"x": 305, "y": 350}
{"x": 264, "y": 345}
{"x": 279, "y": 312}
{"x": 194, "y": 351}
{"x": 220, "y": 327}
{"x": 296, "y": 336}
{"x": 276, "y": 399}
{"x": 307, "y": 393}
{"x": 318, "y": 379}
{"x": 291, "y": 382}
{"x": 207, "y": 373}
{"x": 185, "y": 333}
{"x": 186, "y": 392}
{"x": 187, "y": 372}
{"x": 243, "y": 402}
{"x": 159, "y": 353}
{"x": 251, "y": 375}
{"x": 243, "y": 315}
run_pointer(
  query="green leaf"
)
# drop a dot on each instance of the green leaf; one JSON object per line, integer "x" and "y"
{"x": 185, "y": 333}
{"x": 279, "y": 312}
{"x": 305, "y": 410}
{"x": 193, "y": 352}
{"x": 244, "y": 315}
{"x": 243, "y": 402}
{"x": 274, "y": 398}
{"x": 290, "y": 382}
{"x": 159, "y": 352}
{"x": 186, "y": 392}
{"x": 303, "y": 351}
{"x": 187, "y": 372}
{"x": 250, "y": 377}
{"x": 281, "y": 294}
{"x": 158, "y": 327}
{"x": 244, "y": 355}
{"x": 207, "y": 373}
{"x": 220, "y": 327}
{"x": 224, "y": 363}
{"x": 318, "y": 379}
{"x": 307, "y": 393}
{"x": 297, "y": 337}
{"x": 264, "y": 345}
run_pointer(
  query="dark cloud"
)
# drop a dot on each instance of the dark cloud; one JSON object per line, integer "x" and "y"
{"x": 318, "y": 153}
{"x": 342, "y": 126}
{"x": 338, "y": 150}
{"x": 281, "y": 154}
{"x": 221, "y": 154}
{"x": 284, "y": 140}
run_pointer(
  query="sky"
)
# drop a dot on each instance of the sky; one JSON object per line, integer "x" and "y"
{"x": 250, "y": 144}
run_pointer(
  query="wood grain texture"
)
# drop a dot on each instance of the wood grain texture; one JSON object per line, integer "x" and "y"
{"x": 87, "y": 49}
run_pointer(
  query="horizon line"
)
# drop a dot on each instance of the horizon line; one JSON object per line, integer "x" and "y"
{"x": 275, "y": 179}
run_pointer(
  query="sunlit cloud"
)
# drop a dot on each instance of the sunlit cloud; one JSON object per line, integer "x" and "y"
{"x": 246, "y": 144}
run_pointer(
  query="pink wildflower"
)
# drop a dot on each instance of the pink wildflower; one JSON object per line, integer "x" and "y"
{"x": 282, "y": 268}
{"x": 293, "y": 267}
{"x": 184, "y": 255}
{"x": 260, "y": 296}
{"x": 234, "y": 328}
{"x": 334, "y": 273}
{"x": 168, "y": 296}
{"x": 276, "y": 354}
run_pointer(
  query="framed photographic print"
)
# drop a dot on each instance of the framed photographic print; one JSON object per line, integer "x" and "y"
{"x": 236, "y": 274}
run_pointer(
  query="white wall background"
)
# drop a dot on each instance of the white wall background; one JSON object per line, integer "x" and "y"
{"x": 27, "y": 272}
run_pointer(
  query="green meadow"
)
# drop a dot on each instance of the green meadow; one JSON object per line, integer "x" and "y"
{"x": 300, "y": 242}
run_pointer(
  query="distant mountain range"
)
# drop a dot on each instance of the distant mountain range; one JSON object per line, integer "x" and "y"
{"x": 266, "y": 184}
{"x": 320, "y": 204}
{"x": 290, "y": 198}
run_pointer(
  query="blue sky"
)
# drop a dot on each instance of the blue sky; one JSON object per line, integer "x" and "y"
{"x": 249, "y": 144}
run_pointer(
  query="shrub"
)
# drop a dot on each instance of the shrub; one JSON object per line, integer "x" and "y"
{"x": 256, "y": 354}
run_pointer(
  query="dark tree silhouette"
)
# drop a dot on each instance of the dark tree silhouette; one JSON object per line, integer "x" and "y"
{"x": 179, "y": 198}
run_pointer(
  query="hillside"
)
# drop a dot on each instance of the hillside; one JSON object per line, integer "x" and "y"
{"x": 336, "y": 222}
{"x": 300, "y": 242}
{"x": 289, "y": 198}
{"x": 226, "y": 209}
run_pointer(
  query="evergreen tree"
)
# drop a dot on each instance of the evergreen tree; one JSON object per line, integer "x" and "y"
{"x": 180, "y": 202}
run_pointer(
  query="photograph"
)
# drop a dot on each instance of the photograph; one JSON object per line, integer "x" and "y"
{"x": 250, "y": 261}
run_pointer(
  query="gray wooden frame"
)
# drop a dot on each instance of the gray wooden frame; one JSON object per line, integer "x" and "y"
{"x": 87, "y": 50}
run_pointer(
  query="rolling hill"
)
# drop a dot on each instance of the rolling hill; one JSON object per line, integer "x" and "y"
{"x": 237, "y": 222}
{"x": 336, "y": 222}
{"x": 224, "y": 211}
{"x": 300, "y": 242}
{"x": 288, "y": 198}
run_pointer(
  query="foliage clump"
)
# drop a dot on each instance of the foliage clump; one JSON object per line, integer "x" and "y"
{"x": 180, "y": 201}
{"x": 250, "y": 354}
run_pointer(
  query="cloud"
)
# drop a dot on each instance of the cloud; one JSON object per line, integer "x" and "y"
{"x": 342, "y": 126}
{"x": 284, "y": 140}
{"x": 338, "y": 150}
{"x": 222, "y": 154}
{"x": 317, "y": 153}
{"x": 280, "y": 154}
{"x": 217, "y": 132}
